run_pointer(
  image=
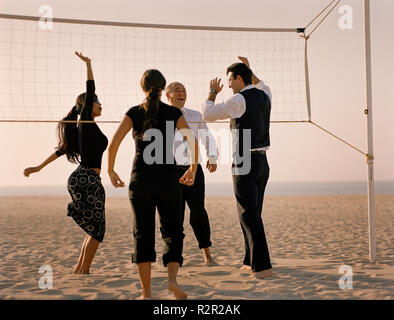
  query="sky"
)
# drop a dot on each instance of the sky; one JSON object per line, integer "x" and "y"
{"x": 299, "y": 152}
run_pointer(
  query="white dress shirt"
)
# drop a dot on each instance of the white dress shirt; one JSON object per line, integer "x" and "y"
{"x": 202, "y": 134}
{"x": 234, "y": 107}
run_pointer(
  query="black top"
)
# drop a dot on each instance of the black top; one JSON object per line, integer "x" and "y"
{"x": 92, "y": 142}
{"x": 157, "y": 149}
{"x": 256, "y": 118}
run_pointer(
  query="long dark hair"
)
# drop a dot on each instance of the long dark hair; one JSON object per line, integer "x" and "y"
{"x": 67, "y": 133}
{"x": 153, "y": 82}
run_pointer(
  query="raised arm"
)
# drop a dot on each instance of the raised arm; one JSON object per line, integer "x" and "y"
{"x": 187, "y": 133}
{"x": 233, "y": 107}
{"x": 86, "y": 112}
{"x": 47, "y": 161}
{"x": 124, "y": 127}
{"x": 256, "y": 81}
{"x": 88, "y": 65}
{"x": 245, "y": 61}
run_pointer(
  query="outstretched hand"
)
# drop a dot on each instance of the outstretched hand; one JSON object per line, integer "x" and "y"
{"x": 216, "y": 85}
{"x": 30, "y": 170}
{"x": 82, "y": 57}
{"x": 245, "y": 61}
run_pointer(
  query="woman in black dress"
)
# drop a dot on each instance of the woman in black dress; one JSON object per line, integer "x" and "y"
{"x": 154, "y": 183}
{"x": 84, "y": 144}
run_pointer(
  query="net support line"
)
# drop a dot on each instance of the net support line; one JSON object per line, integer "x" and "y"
{"x": 148, "y": 25}
{"x": 324, "y": 18}
{"x": 340, "y": 139}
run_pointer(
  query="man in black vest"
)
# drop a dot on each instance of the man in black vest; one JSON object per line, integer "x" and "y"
{"x": 249, "y": 110}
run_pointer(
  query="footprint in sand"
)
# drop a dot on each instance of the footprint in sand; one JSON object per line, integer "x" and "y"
{"x": 6, "y": 284}
{"x": 25, "y": 286}
{"x": 215, "y": 273}
{"x": 52, "y": 292}
{"x": 193, "y": 262}
{"x": 245, "y": 275}
{"x": 88, "y": 290}
{"x": 117, "y": 283}
{"x": 231, "y": 281}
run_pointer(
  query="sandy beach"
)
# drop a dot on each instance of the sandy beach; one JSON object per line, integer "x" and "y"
{"x": 310, "y": 238}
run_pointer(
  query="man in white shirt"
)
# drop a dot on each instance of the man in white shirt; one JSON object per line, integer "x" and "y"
{"x": 249, "y": 111}
{"x": 194, "y": 195}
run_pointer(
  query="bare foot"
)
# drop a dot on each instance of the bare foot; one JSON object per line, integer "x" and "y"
{"x": 208, "y": 259}
{"x": 177, "y": 291}
{"x": 143, "y": 297}
{"x": 210, "y": 262}
{"x": 263, "y": 274}
{"x": 77, "y": 269}
{"x": 84, "y": 272}
{"x": 245, "y": 268}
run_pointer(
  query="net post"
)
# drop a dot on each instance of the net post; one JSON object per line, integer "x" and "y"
{"x": 307, "y": 84}
{"x": 368, "y": 111}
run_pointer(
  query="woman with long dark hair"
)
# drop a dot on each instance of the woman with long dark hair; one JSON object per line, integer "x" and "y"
{"x": 154, "y": 183}
{"x": 83, "y": 144}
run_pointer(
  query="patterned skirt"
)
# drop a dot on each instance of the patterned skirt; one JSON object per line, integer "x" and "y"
{"x": 87, "y": 207}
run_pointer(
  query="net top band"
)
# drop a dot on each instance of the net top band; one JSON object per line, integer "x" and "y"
{"x": 147, "y": 25}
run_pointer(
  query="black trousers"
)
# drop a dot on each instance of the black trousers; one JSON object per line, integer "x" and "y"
{"x": 249, "y": 192}
{"x": 194, "y": 196}
{"x": 148, "y": 192}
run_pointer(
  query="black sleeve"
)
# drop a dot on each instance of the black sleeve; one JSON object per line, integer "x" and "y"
{"x": 176, "y": 114}
{"x": 131, "y": 113}
{"x": 86, "y": 112}
{"x": 59, "y": 152}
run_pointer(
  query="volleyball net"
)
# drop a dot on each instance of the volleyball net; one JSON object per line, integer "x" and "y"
{"x": 40, "y": 75}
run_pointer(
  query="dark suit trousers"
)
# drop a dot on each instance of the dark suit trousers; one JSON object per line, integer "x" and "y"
{"x": 249, "y": 192}
{"x": 194, "y": 196}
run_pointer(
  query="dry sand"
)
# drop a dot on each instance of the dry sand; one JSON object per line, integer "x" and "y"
{"x": 309, "y": 237}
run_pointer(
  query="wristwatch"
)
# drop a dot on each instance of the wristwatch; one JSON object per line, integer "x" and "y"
{"x": 213, "y": 91}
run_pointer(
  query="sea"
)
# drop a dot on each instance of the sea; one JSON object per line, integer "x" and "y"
{"x": 226, "y": 189}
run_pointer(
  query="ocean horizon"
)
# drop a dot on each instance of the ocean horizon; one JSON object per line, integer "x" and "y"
{"x": 226, "y": 189}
